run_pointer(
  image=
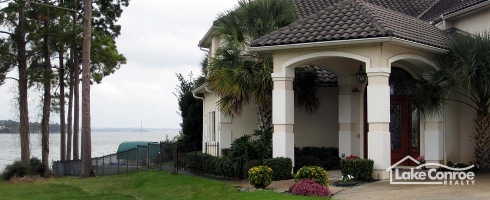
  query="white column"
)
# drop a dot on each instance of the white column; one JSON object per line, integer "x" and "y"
{"x": 283, "y": 116}
{"x": 433, "y": 137}
{"x": 378, "y": 110}
{"x": 347, "y": 120}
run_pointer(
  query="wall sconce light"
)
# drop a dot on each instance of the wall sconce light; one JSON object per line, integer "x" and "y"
{"x": 361, "y": 75}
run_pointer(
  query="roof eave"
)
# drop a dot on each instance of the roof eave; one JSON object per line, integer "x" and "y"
{"x": 465, "y": 10}
{"x": 200, "y": 89}
{"x": 351, "y": 42}
{"x": 320, "y": 44}
{"x": 209, "y": 33}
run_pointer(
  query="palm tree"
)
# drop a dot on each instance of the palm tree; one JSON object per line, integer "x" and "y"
{"x": 464, "y": 77}
{"x": 238, "y": 76}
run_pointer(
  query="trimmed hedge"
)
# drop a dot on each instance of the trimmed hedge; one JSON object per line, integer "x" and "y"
{"x": 361, "y": 169}
{"x": 197, "y": 161}
{"x": 260, "y": 176}
{"x": 281, "y": 167}
{"x": 314, "y": 173}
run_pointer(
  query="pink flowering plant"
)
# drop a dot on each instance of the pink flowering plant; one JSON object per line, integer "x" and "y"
{"x": 308, "y": 187}
{"x": 421, "y": 160}
{"x": 352, "y": 157}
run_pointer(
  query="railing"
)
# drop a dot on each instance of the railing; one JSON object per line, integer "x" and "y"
{"x": 166, "y": 156}
{"x": 142, "y": 158}
{"x": 212, "y": 148}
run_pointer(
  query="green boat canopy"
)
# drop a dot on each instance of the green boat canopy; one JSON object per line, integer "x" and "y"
{"x": 129, "y": 150}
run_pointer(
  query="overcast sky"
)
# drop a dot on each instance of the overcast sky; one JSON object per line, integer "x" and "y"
{"x": 159, "y": 38}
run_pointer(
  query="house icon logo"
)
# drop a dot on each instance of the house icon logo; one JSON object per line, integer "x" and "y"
{"x": 438, "y": 174}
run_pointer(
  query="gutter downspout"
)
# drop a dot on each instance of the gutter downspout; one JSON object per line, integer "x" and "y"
{"x": 207, "y": 90}
{"x": 197, "y": 97}
{"x": 205, "y": 50}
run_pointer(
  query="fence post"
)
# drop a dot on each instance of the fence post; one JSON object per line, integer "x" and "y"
{"x": 148, "y": 157}
{"x": 206, "y": 147}
{"x": 217, "y": 149}
{"x": 137, "y": 164}
{"x": 160, "y": 153}
{"x": 176, "y": 159}
{"x": 110, "y": 165}
{"x": 97, "y": 163}
{"x": 103, "y": 167}
{"x": 127, "y": 162}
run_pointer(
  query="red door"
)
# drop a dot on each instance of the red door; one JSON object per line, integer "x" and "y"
{"x": 404, "y": 130}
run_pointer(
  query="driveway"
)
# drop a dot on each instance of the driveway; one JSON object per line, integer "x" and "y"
{"x": 383, "y": 190}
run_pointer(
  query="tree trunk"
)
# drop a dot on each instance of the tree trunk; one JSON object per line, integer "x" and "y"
{"x": 47, "y": 73}
{"x": 86, "y": 132}
{"x": 70, "y": 107}
{"x": 481, "y": 136}
{"x": 62, "y": 105}
{"x": 264, "y": 113}
{"x": 76, "y": 115}
{"x": 23, "y": 106}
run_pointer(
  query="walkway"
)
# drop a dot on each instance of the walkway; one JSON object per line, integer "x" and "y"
{"x": 281, "y": 186}
{"x": 383, "y": 190}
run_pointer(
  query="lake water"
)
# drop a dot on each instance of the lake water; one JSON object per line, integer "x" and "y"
{"x": 103, "y": 143}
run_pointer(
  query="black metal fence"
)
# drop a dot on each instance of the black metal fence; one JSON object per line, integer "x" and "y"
{"x": 167, "y": 156}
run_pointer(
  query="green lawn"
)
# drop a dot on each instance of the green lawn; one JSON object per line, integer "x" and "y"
{"x": 142, "y": 185}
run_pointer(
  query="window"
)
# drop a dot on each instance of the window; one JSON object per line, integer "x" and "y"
{"x": 212, "y": 126}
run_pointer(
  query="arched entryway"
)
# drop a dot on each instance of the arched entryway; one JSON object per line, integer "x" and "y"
{"x": 404, "y": 118}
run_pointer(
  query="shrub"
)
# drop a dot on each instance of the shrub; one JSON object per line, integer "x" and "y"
{"x": 263, "y": 144}
{"x": 309, "y": 187}
{"x": 210, "y": 162}
{"x": 361, "y": 169}
{"x": 220, "y": 167}
{"x": 37, "y": 167}
{"x": 282, "y": 168}
{"x": 225, "y": 152}
{"x": 16, "y": 169}
{"x": 250, "y": 164}
{"x": 260, "y": 176}
{"x": 197, "y": 161}
{"x": 217, "y": 166}
{"x": 238, "y": 169}
{"x": 314, "y": 173}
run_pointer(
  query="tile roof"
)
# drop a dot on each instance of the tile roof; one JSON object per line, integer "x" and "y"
{"x": 413, "y": 8}
{"x": 325, "y": 77}
{"x": 354, "y": 19}
{"x": 443, "y": 7}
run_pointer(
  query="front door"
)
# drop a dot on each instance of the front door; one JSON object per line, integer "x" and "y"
{"x": 404, "y": 118}
{"x": 404, "y": 130}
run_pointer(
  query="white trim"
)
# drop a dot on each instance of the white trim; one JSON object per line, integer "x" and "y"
{"x": 286, "y": 67}
{"x": 194, "y": 91}
{"x": 350, "y": 42}
{"x": 206, "y": 36}
{"x": 320, "y": 44}
{"x": 412, "y": 56}
{"x": 463, "y": 11}
{"x": 419, "y": 45}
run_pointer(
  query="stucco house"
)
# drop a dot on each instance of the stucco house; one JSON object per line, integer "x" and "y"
{"x": 392, "y": 41}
